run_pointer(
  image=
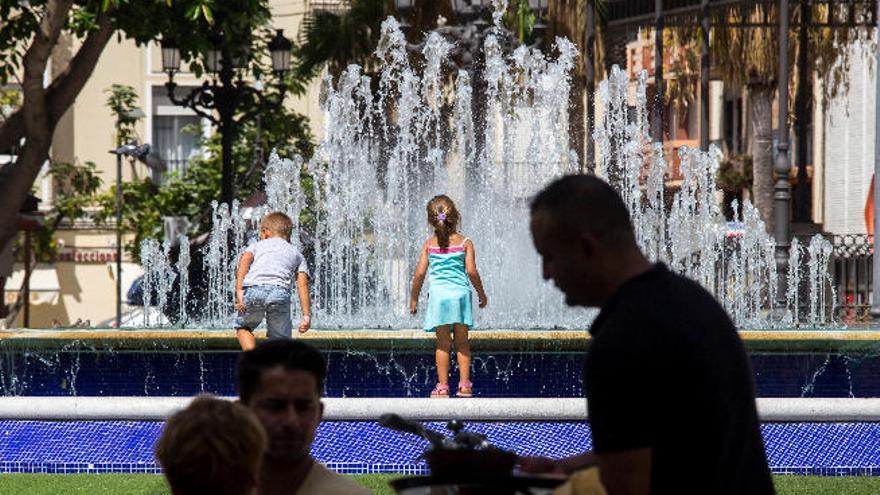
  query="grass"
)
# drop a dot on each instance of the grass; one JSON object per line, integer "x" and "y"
{"x": 129, "y": 484}
{"x": 149, "y": 484}
{"x": 821, "y": 485}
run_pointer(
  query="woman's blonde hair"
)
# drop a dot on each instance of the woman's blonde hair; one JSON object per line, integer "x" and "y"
{"x": 212, "y": 446}
{"x": 444, "y": 217}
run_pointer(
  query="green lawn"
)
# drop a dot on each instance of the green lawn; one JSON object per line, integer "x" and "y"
{"x": 146, "y": 484}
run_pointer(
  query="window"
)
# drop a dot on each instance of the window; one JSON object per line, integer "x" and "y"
{"x": 176, "y": 131}
{"x": 176, "y": 138}
{"x": 733, "y": 128}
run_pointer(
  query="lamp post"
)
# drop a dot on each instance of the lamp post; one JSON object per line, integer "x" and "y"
{"x": 219, "y": 98}
{"x": 119, "y": 152}
{"x": 782, "y": 167}
{"x": 151, "y": 160}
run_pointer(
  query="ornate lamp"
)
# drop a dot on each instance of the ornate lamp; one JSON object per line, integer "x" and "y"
{"x": 170, "y": 56}
{"x": 280, "y": 47}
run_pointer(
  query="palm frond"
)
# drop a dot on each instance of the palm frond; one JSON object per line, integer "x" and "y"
{"x": 335, "y": 40}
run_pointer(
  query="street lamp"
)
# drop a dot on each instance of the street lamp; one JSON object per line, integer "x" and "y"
{"x": 149, "y": 158}
{"x": 213, "y": 55}
{"x": 170, "y": 56}
{"x": 279, "y": 48}
{"x": 218, "y": 99}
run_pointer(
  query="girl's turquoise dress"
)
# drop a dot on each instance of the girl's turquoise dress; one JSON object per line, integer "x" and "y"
{"x": 449, "y": 293}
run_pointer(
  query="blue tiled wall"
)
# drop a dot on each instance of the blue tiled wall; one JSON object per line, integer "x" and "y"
{"x": 831, "y": 449}
{"x": 394, "y": 374}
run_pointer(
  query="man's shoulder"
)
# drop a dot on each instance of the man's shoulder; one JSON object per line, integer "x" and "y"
{"x": 664, "y": 295}
{"x": 324, "y": 481}
{"x": 657, "y": 308}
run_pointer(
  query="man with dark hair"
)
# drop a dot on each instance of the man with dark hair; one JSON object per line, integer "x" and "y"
{"x": 669, "y": 387}
{"x": 281, "y": 381}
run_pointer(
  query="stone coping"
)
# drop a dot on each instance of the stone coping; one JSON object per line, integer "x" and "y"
{"x": 313, "y": 334}
{"x": 549, "y": 340}
{"x": 500, "y": 339}
{"x": 369, "y": 409}
{"x": 382, "y": 334}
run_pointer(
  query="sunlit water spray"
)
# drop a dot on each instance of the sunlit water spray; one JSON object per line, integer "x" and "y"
{"x": 386, "y": 152}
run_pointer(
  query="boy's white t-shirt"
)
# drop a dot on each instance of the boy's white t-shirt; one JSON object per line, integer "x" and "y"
{"x": 276, "y": 262}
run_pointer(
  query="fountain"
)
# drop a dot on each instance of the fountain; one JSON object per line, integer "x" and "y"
{"x": 361, "y": 222}
{"x": 385, "y": 153}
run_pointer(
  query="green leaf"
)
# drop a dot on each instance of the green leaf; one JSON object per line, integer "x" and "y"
{"x": 206, "y": 11}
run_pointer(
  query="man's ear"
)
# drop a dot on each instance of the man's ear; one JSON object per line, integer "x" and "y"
{"x": 587, "y": 244}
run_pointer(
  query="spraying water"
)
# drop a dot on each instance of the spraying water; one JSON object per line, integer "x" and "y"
{"x": 385, "y": 153}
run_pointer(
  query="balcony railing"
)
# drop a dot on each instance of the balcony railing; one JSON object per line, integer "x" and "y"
{"x": 332, "y": 6}
{"x": 853, "y": 262}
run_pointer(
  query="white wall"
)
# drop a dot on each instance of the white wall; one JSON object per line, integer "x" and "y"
{"x": 849, "y": 149}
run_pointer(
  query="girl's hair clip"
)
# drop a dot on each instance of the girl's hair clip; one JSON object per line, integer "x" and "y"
{"x": 441, "y": 217}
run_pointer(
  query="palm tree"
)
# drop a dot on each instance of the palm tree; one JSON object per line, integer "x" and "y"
{"x": 335, "y": 40}
{"x": 350, "y": 36}
{"x": 568, "y": 18}
{"x": 748, "y": 58}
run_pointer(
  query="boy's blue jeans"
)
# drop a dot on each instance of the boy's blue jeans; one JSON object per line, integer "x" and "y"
{"x": 270, "y": 302}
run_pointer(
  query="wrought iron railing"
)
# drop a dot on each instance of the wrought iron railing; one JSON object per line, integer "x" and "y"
{"x": 852, "y": 266}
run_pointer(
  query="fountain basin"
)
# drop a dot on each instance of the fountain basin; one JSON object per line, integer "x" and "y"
{"x": 359, "y": 447}
{"x": 64, "y": 413}
{"x": 399, "y": 363}
{"x": 372, "y": 338}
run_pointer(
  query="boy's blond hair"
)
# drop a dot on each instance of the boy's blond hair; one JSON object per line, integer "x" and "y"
{"x": 278, "y": 223}
{"x": 212, "y": 446}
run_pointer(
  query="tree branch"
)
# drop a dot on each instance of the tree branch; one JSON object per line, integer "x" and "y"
{"x": 34, "y": 63}
{"x": 65, "y": 87}
{"x": 35, "y": 119}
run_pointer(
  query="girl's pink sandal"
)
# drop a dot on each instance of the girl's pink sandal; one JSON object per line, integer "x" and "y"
{"x": 465, "y": 389}
{"x": 440, "y": 391}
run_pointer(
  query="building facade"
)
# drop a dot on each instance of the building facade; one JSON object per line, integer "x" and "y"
{"x": 81, "y": 285}
{"x": 730, "y": 129}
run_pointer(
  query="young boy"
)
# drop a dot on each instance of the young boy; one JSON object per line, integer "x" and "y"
{"x": 263, "y": 281}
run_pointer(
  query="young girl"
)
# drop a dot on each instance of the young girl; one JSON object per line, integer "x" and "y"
{"x": 448, "y": 258}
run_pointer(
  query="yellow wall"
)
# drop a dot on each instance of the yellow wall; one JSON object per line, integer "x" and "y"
{"x": 87, "y": 130}
{"x": 87, "y": 289}
{"x": 86, "y": 133}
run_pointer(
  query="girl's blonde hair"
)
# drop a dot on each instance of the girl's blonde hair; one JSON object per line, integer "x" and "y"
{"x": 444, "y": 217}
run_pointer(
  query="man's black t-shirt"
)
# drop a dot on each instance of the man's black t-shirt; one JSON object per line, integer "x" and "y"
{"x": 667, "y": 370}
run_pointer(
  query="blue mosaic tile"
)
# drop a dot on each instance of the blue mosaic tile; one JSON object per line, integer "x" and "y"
{"x": 825, "y": 449}
{"x": 393, "y": 374}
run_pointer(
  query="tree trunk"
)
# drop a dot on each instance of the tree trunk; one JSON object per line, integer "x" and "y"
{"x": 615, "y": 40}
{"x": 567, "y": 18}
{"x": 761, "y": 108}
{"x": 576, "y": 122}
{"x": 38, "y": 126}
{"x": 65, "y": 86}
